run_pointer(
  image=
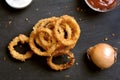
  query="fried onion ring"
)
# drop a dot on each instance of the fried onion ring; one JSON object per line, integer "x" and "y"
{"x": 46, "y": 38}
{"x": 45, "y": 23}
{"x": 17, "y": 55}
{"x": 60, "y": 67}
{"x": 74, "y": 28}
{"x": 37, "y": 50}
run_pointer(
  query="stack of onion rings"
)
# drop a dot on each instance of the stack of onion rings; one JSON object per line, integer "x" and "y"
{"x": 53, "y": 37}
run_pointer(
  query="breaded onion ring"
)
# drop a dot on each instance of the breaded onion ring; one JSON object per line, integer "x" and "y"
{"x": 64, "y": 31}
{"x": 75, "y": 30}
{"x": 17, "y": 55}
{"x": 46, "y": 38}
{"x": 45, "y": 23}
{"x": 60, "y": 67}
{"x": 37, "y": 50}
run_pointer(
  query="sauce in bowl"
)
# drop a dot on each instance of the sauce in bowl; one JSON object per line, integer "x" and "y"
{"x": 101, "y": 5}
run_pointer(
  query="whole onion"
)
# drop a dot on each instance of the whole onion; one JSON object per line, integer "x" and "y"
{"x": 102, "y": 55}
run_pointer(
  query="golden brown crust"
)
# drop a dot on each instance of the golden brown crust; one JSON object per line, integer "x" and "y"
{"x": 70, "y": 27}
{"x": 60, "y": 67}
{"x": 17, "y": 55}
{"x": 37, "y": 50}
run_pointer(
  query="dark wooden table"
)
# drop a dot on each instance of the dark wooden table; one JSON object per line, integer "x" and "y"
{"x": 96, "y": 27}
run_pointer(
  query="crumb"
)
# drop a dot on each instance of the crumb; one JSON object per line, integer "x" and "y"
{"x": 19, "y": 68}
{"x": 4, "y": 58}
{"x": 67, "y": 76}
{"x": 37, "y": 9}
{"x": 78, "y": 8}
{"x": 26, "y": 19}
{"x": 106, "y": 39}
{"x": 49, "y": 13}
{"x": 9, "y": 22}
{"x": 80, "y": 19}
{"x": 113, "y": 34}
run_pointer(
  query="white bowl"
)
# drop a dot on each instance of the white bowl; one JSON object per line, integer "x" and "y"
{"x": 18, "y": 4}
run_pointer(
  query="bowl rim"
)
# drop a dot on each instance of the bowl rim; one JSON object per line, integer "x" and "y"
{"x": 18, "y": 7}
{"x": 97, "y": 9}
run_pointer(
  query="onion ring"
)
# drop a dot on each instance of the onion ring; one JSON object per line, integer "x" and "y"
{"x": 74, "y": 27}
{"x": 37, "y": 50}
{"x": 46, "y": 38}
{"x": 60, "y": 67}
{"x": 45, "y": 23}
{"x": 17, "y": 55}
{"x": 65, "y": 31}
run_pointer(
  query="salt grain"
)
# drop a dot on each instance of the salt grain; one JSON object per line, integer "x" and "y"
{"x": 20, "y": 68}
{"x": 106, "y": 39}
{"x": 67, "y": 76}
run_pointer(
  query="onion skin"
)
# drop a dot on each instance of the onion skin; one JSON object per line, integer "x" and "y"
{"x": 102, "y": 55}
